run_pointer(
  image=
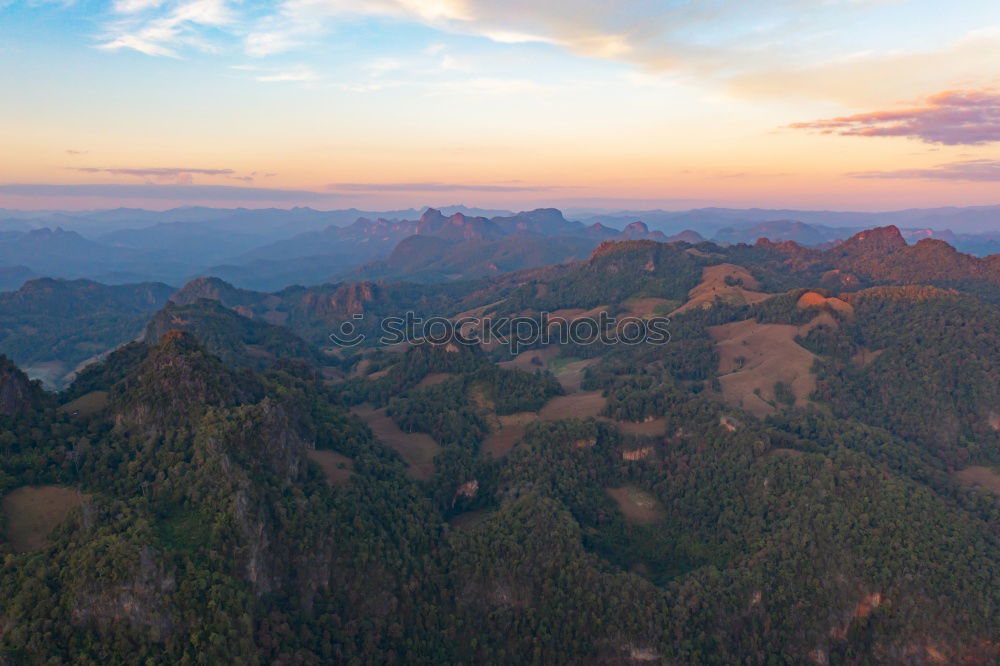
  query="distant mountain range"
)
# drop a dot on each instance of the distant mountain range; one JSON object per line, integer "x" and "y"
{"x": 439, "y": 269}
{"x": 267, "y": 249}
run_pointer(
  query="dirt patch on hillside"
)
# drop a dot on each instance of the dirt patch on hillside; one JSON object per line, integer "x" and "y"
{"x": 742, "y": 291}
{"x": 753, "y": 357}
{"x": 87, "y": 404}
{"x": 434, "y": 379}
{"x": 983, "y": 477}
{"x": 338, "y": 468}
{"x": 582, "y": 405}
{"x": 994, "y": 420}
{"x": 638, "y": 506}
{"x": 32, "y": 512}
{"x": 417, "y": 449}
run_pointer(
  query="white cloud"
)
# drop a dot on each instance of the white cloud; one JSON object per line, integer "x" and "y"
{"x": 149, "y": 30}
{"x": 133, "y": 6}
{"x": 765, "y": 47}
{"x": 508, "y": 37}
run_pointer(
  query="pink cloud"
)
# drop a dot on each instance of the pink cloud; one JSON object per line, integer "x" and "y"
{"x": 180, "y": 176}
{"x": 953, "y": 117}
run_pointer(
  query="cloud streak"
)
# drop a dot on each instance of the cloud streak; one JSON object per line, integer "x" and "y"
{"x": 165, "y": 192}
{"x": 747, "y": 47}
{"x": 178, "y": 175}
{"x": 980, "y": 171}
{"x": 954, "y": 117}
{"x": 155, "y": 172}
{"x": 435, "y": 187}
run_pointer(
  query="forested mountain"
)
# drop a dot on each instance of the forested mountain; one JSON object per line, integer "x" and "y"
{"x": 49, "y": 327}
{"x": 806, "y": 472}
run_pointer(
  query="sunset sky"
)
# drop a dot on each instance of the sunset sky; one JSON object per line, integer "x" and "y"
{"x": 845, "y": 104}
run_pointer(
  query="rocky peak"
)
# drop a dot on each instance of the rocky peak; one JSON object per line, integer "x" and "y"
{"x": 205, "y": 287}
{"x": 687, "y": 236}
{"x": 431, "y": 219}
{"x": 610, "y": 247}
{"x": 599, "y": 230}
{"x": 351, "y": 298}
{"x": 882, "y": 240}
{"x": 17, "y": 392}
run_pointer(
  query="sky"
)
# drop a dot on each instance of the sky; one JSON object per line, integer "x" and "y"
{"x": 376, "y": 104}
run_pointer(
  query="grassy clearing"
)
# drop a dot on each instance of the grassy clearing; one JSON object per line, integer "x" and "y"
{"x": 87, "y": 404}
{"x": 653, "y": 428}
{"x": 499, "y": 443}
{"x": 338, "y": 468}
{"x": 754, "y": 357}
{"x": 647, "y": 307}
{"x": 638, "y": 506}
{"x": 32, "y": 512}
{"x": 983, "y": 477}
{"x": 582, "y": 405}
{"x": 531, "y": 360}
{"x": 570, "y": 375}
{"x": 417, "y": 449}
{"x": 507, "y": 432}
{"x": 741, "y": 288}
{"x": 434, "y": 379}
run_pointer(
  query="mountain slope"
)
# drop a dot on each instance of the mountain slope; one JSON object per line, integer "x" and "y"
{"x": 50, "y": 327}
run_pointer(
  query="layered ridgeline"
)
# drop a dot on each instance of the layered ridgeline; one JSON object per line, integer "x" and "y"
{"x": 805, "y": 473}
{"x": 50, "y": 327}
